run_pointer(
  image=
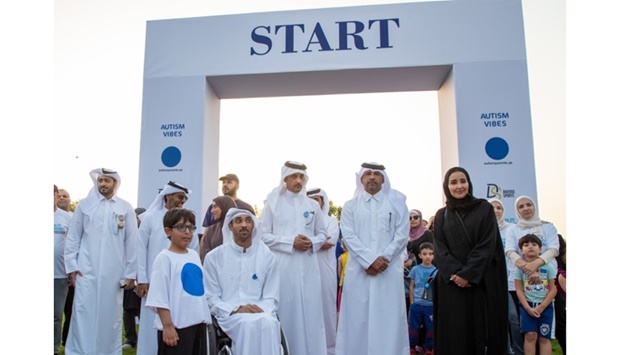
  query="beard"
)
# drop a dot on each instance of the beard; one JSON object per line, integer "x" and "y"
{"x": 229, "y": 192}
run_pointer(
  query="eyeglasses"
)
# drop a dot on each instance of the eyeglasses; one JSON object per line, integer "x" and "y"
{"x": 181, "y": 227}
{"x": 414, "y": 218}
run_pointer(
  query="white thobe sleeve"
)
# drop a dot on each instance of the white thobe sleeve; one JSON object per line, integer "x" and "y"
{"x": 333, "y": 230}
{"x": 354, "y": 244}
{"x": 320, "y": 231}
{"x": 144, "y": 232}
{"x": 73, "y": 240}
{"x": 400, "y": 237}
{"x": 131, "y": 245}
{"x": 213, "y": 291}
{"x": 271, "y": 288}
{"x": 274, "y": 242}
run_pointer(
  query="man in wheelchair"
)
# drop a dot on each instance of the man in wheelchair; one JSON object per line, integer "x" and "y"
{"x": 242, "y": 286}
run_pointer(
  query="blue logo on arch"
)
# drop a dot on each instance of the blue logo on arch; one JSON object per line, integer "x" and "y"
{"x": 496, "y": 148}
{"x": 171, "y": 156}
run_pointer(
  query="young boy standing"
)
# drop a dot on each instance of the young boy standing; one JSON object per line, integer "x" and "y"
{"x": 535, "y": 293}
{"x": 177, "y": 290}
{"x": 421, "y": 308}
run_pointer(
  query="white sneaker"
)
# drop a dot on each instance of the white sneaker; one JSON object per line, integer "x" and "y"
{"x": 127, "y": 346}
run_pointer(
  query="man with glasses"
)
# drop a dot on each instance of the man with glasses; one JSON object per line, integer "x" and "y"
{"x": 152, "y": 240}
{"x": 100, "y": 259}
{"x": 293, "y": 227}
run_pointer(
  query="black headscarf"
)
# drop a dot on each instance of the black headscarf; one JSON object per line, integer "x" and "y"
{"x": 465, "y": 203}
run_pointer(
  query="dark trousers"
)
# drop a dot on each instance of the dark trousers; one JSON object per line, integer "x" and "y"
{"x": 192, "y": 341}
{"x": 129, "y": 322}
{"x": 560, "y": 321}
{"x": 131, "y": 310}
{"x": 68, "y": 308}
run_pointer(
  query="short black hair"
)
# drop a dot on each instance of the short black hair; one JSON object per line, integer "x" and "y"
{"x": 176, "y": 214}
{"x": 426, "y": 245}
{"x": 529, "y": 238}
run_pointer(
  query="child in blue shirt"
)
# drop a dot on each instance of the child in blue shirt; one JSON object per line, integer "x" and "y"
{"x": 536, "y": 293}
{"x": 421, "y": 308}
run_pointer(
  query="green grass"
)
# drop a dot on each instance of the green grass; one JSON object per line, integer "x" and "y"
{"x": 556, "y": 350}
{"x": 555, "y": 347}
{"x": 131, "y": 351}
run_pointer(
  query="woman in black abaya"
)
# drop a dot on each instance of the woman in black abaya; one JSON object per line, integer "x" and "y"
{"x": 470, "y": 308}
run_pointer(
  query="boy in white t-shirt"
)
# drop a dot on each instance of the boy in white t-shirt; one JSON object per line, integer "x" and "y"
{"x": 177, "y": 290}
{"x": 536, "y": 293}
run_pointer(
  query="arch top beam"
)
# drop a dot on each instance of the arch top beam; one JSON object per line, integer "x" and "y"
{"x": 375, "y": 36}
{"x": 471, "y": 52}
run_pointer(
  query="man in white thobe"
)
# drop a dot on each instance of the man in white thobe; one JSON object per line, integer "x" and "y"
{"x": 327, "y": 266}
{"x": 152, "y": 239}
{"x": 375, "y": 230}
{"x": 243, "y": 286}
{"x": 100, "y": 253}
{"x": 293, "y": 227}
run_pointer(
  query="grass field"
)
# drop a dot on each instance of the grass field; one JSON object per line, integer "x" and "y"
{"x": 556, "y": 349}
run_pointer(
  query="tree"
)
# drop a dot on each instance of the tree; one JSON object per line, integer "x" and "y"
{"x": 73, "y": 205}
{"x": 334, "y": 210}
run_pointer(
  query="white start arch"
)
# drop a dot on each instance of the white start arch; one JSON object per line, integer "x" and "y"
{"x": 471, "y": 52}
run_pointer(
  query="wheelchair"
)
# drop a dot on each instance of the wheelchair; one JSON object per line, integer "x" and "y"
{"x": 219, "y": 343}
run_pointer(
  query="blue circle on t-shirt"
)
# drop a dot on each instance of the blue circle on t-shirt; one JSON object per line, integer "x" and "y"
{"x": 496, "y": 148}
{"x": 191, "y": 279}
{"x": 171, "y": 156}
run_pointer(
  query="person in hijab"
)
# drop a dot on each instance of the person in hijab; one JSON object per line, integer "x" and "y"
{"x": 328, "y": 265}
{"x": 374, "y": 225}
{"x": 528, "y": 222}
{"x": 515, "y": 340}
{"x": 213, "y": 234}
{"x": 243, "y": 286}
{"x": 293, "y": 227}
{"x": 152, "y": 239}
{"x": 418, "y": 234}
{"x": 100, "y": 259}
{"x": 470, "y": 307}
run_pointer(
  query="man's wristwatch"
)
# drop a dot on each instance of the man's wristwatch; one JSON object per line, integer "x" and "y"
{"x": 234, "y": 310}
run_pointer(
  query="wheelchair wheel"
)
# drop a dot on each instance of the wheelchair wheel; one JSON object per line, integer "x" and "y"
{"x": 211, "y": 340}
{"x": 283, "y": 343}
{"x": 225, "y": 351}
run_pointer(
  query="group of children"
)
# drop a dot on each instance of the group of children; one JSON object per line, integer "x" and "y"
{"x": 534, "y": 298}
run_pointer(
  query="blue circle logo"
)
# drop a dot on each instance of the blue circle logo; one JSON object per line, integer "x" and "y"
{"x": 191, "y": 279}
{"x": 496, "y": 148}
{"x": 171, "y": 156}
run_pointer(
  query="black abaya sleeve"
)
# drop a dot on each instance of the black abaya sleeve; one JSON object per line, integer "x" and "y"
{"x": 482, "y": 227}
{"x": 446, "y": 263}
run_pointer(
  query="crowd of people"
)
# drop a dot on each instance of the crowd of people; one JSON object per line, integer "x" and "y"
{"x": 473, "y": 283}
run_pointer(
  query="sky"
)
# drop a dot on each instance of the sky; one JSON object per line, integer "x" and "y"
{"x": 99, "y": 55}
{"x": 71, "y": 79}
